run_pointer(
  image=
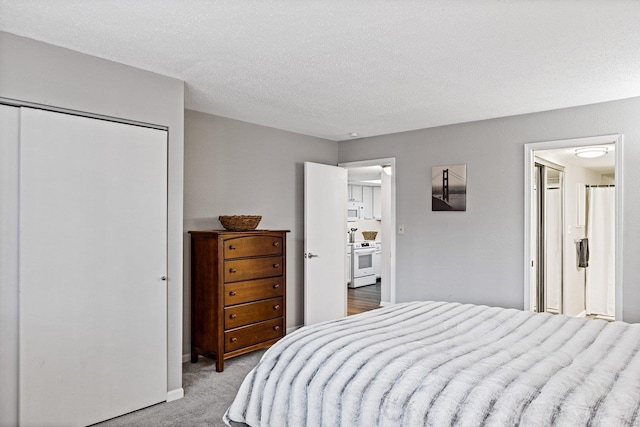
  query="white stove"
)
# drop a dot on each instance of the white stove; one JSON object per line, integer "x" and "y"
{"x": 362, "y": 272}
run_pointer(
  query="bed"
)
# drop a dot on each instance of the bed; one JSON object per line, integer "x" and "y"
{"x": 441, "y": 364}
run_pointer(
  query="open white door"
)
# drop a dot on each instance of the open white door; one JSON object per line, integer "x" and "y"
{"x": 325, "y": 238}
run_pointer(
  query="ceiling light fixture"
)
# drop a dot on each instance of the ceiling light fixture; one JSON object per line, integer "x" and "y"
{"x": 591, "y": 152}
{"x": 387, "y": 170}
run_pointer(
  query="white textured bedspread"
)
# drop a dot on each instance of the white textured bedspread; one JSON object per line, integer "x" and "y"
{"x": 441, "y": 364}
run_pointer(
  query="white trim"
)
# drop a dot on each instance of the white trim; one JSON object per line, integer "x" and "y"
{"x": 377, "y": 162}
{"x": 619, "y": 228}
{"x": 186, "y": 358}
{"x": 175, "y": 394}
{"x": 582, "y": 314}
{"x": 19, "y": 103}
{"x": 385, "y": 303}
{"x": 529, "y": 149}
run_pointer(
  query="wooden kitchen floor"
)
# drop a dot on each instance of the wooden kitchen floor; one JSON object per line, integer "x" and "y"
{"x": 363, "y": 299}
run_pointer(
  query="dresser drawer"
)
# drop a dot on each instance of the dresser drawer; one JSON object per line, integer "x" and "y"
{"x": 249, "y": 246}
{"x": 253, "y": 312}
{"x": 253, "y": 334}
{"x": 253, "y": 290}
{"x": 252, "y": 268}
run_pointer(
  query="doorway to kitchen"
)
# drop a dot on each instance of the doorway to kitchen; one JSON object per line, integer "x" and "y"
{"x": 573, "y": 227}
{"x": 370, "y": 241}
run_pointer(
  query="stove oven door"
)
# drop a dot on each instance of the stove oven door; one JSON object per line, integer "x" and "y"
{"x": 363, "y": 262}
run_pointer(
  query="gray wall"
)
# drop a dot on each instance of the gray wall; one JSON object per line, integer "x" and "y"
{"x": 233, "y": 168}
{"x": 477, "y": 256}
{"x": 41, "y": 73}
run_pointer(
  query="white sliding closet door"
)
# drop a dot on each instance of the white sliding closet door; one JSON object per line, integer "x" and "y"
{"x": 9, "y": 137}
{"x": 93, "y": 244}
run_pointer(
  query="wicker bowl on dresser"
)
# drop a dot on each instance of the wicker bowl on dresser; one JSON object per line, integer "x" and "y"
{"x": 238, "y": 292}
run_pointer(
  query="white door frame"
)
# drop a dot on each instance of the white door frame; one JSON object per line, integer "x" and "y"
{"x": 529, "y": 149}
{"x": 392, "y": 237}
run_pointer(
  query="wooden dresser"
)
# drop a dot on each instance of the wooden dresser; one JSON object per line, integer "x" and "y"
{"x": 238, "y": 292}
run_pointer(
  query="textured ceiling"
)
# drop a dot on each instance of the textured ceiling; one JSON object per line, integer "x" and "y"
{"x": 328, "y": 68}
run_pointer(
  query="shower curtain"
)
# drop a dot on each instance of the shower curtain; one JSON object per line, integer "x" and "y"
{"x": 600, "y": 274}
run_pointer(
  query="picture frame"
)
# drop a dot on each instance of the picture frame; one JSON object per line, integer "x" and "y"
{"x": 449, "y": 188}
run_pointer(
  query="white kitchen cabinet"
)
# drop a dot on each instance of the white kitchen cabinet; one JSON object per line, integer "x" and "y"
{"x": 355, "y": 193}
{"x": 377, "y": 260}
{"x": 348, "y": 269}
{"x": 369, "y": 196}
{"x": 377, "y": 205}
{"x": 367, "y": 200}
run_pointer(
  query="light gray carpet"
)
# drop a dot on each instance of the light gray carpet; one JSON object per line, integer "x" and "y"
{"x": 207, "y": 395}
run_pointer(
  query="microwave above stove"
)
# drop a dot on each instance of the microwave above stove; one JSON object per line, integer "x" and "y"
{"x": 354, "y": 211}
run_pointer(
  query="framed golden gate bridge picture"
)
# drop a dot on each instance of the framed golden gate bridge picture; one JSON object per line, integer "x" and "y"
{"x": 449, "y": 188}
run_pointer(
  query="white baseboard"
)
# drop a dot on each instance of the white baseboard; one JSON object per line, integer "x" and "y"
{"x": 583, "y": 314}
{"x": 385, "y": 303}
{"x": 175, "y": 394}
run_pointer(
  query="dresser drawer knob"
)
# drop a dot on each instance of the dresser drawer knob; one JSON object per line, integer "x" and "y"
{"x": 276, "y": 328}
{"x": 232, "y": 270}
{"x": 276, "y": 244}
{"x": 234, "y": 339}
{"x": 276, "y": 265}
{"x": 232, "y": 293}
{"x": 276, "y": 286}
{"x": 232, "y": 316}
{"x": 276, "y": 307}
{"x": 231, "y": 247}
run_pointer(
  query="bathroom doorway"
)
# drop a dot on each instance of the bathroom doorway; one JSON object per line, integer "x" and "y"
{"x": 573, "y": 228}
